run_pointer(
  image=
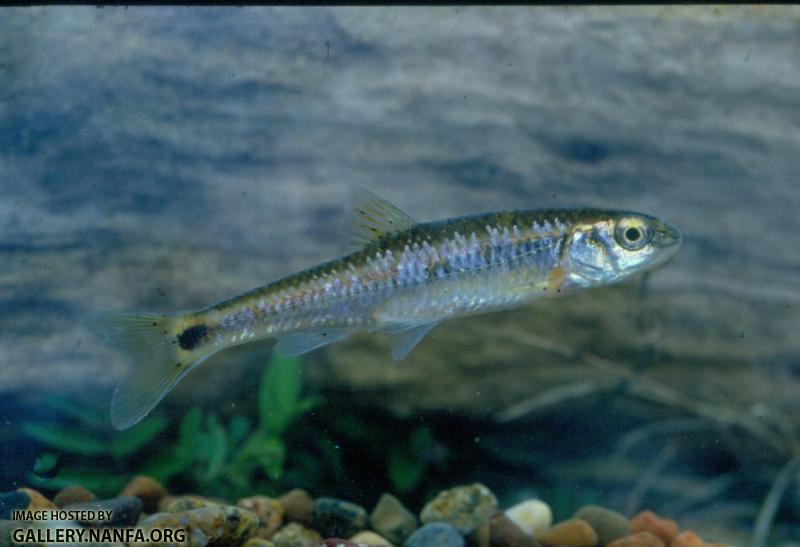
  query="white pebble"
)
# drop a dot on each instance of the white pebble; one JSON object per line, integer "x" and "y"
{"x": 368, "y": 537}
{"x": 531, "y": 516}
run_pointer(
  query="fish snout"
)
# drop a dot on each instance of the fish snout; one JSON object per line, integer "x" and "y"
{"x": 666, "y": 235}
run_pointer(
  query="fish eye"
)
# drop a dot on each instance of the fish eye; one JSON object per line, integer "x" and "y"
{"x": 631, "y": 234}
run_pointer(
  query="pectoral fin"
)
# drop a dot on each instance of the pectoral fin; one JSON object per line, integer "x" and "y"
{"x": 405, "y": 336}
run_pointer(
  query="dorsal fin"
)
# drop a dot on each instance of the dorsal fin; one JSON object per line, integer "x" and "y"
{"x": 369, "y": 217}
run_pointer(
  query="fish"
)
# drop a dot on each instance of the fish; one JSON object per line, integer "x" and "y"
{"x": 400, "y": 277}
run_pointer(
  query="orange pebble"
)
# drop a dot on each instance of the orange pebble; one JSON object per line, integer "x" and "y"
{"x": 573, "y": 532}
{"x": 639, "y": 539}
{"x": 687, "y": 539}
{"x": 647, "y": 521}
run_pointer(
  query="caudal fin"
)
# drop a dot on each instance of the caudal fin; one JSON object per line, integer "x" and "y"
{"x": 157, "y": 363}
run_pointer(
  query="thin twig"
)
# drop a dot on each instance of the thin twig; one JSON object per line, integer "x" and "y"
{"x": 649, "y": 477}
{"x": 718, "y": 513}
{"x": 699, "y": 492}
{"x": 665, "y": 427}
{"x": 771, "y": 503}
{"x": 652, "y": 390}
{"x": 549, "y": 398}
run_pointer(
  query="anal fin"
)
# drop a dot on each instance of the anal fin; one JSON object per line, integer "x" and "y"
{"x": 300, "y": 342}
{"x": 405, "y": 336}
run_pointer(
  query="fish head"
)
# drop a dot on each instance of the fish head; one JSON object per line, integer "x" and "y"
{"x": 609, "y": 246}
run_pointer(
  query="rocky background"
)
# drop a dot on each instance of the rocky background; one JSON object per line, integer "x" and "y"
{"x": 166, "y": 158}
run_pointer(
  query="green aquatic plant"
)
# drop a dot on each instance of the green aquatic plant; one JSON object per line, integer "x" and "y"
{"x": 88, "y": 434}
{"x": 234, "y": 458}
{"x": 406, "y": 464}
{"x": 82, "y": 434}
{"x": 201, "y": 446}
{"x": 279, "y": 403}
{"x": 352, "y": 441}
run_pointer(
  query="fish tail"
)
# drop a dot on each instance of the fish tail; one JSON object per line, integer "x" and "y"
{"x": 158, "y": 361}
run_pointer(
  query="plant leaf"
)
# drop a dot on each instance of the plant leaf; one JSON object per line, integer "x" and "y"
{"x": 238, "y": 428}
{"x": 272, "y": 456}
{"x": 165, "y": 466}
{"x": 279, "y": 394}
{"x": 88, "y": 416}
{"x": 188, "y": 435}
{"x": 66, "y": 440}
{"x": 130, "y": 441}
{"x": 215, "y": 449}
{"x": 47, "y": 465}
{"x": 102, "y": 483}
{"x": 262, "y": 450}
{"x": 404, "y": 472}
{"x": 309, "y": 403}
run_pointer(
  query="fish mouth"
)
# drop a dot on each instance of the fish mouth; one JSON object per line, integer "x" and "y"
{"x": 666, "y": 236}
{"x": 667, "y": 240}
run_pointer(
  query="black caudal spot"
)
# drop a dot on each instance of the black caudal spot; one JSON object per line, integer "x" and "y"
{"x": 192, "y": 337}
